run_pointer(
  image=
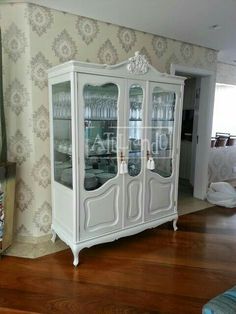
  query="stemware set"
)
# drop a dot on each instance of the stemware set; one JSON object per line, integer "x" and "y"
{"x": 100, "y": 106}
{"x": 62, "y": 105}
{"x": 163, "y": 107}
{"x": 136, "y": 107}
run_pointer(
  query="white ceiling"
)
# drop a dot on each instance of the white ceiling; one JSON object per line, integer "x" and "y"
{"x": 185, "y": 20}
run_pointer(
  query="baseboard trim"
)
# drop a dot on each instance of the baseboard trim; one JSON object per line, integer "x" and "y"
{"x": 33, "y": 240}
{"x": 35, "y": 249}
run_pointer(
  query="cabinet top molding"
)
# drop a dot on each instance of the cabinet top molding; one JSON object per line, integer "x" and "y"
{"x": 136, "y": 67}
{"x": 138, "y": 64}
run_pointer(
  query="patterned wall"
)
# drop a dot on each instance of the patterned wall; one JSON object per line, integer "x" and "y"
{"x": 36, "y": 38}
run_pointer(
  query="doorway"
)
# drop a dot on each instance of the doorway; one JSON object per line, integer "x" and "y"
{"x": 202, "y": 82}
{"x": 189, "y": 134}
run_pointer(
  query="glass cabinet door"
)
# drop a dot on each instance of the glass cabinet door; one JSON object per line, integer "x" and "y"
{"x": 61, "y": 108}
{"x": 100, "y": 130}
{"x": 162, "y": 128}
{"x": 135, "y": 129}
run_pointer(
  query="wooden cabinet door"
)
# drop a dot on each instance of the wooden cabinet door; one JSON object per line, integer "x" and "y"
{"x": 100, "y": 115}
{"x": 162, "y": 140}
{"x": 134, "y": 152}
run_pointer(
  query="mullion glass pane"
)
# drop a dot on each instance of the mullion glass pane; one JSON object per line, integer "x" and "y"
{"x": 135, "y": 129}
{"x": 61, "y": 107}
{"x": 100, "y": 129}
{"x": 162, "y": 127}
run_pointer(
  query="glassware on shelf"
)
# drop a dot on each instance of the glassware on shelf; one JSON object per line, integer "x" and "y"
{"x": 100, "y": 106}
{"x": 136, "y": 107}
{"x": 62, "y": 105}
{"x": 163, "y": 106}
{"x": 100, "y": 117}
{"x": 63, "y": 146}
{"x": 170, "y": 112}
{"x": 163, "y": 110}
{"x": 135, "y": 129}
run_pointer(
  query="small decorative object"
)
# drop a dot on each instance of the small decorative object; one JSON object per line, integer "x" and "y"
{"x": 123, "y": 165}
{"x": 137, "y": 64}
{"x": 150, "y": 164}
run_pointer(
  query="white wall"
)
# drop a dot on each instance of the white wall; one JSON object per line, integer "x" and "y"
{"x": 226, "y": 73}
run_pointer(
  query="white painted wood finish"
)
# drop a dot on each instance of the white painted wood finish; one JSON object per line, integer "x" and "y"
{"x": 102, "y": 208}
{"x": 134, "y": 186}
{"x": 161, "y": 196}
{"x": 125, "y": 204}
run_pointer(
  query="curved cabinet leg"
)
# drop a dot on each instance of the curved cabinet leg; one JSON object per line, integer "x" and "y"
{"x": 75, "y": 251}
{"x": 54, "y": 236}
{"x": 175, "y": 224}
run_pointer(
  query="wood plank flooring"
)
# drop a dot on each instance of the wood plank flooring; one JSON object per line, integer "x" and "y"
{"x": 157, "y": 271}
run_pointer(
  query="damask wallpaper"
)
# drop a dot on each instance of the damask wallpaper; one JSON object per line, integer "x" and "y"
{"x": 36, "y": 38}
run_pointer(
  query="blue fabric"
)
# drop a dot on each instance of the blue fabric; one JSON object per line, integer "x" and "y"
{"x": 224, "y": 303}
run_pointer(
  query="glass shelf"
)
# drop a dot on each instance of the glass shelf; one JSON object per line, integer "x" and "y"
{"x": 159, "y": 120}
{"x": 135, "y": 151}
{"x": 61, "y": 107}
{"x": 102, "y": 155}
{"x": 135, "y": 129}
{"x": 100, "y": 120}
{"x": 64, "y": 119}
{"x": 163, "y": 115}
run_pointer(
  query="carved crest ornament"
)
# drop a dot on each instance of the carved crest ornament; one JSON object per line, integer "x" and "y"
{"x": 137, "y": 64}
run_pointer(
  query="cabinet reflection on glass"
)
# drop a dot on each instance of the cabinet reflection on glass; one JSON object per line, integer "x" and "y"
{"x": 100, "y": 130}
{"x": 61, "y": 108}
{"x": 135, "y": 129}
{"x": 162, "y": 128}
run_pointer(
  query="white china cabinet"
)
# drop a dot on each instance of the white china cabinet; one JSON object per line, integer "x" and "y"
{"x": 115, "y": 137}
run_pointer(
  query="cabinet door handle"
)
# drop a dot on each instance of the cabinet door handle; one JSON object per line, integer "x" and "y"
{"x": 122, "y": 156}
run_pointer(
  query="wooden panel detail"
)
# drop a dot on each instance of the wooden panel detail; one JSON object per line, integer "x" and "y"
{"x": 102, "y": 211}
{"x": 134, "y": 200}
{"x": 160, "y": 196}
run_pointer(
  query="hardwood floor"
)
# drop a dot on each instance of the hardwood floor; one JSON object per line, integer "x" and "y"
{"x": 157, "y": 271}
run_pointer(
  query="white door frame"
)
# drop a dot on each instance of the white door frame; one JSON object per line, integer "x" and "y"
{"x": 206, "y": 105}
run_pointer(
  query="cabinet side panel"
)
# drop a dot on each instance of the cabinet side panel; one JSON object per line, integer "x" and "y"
{"x": 63, "y": 210}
